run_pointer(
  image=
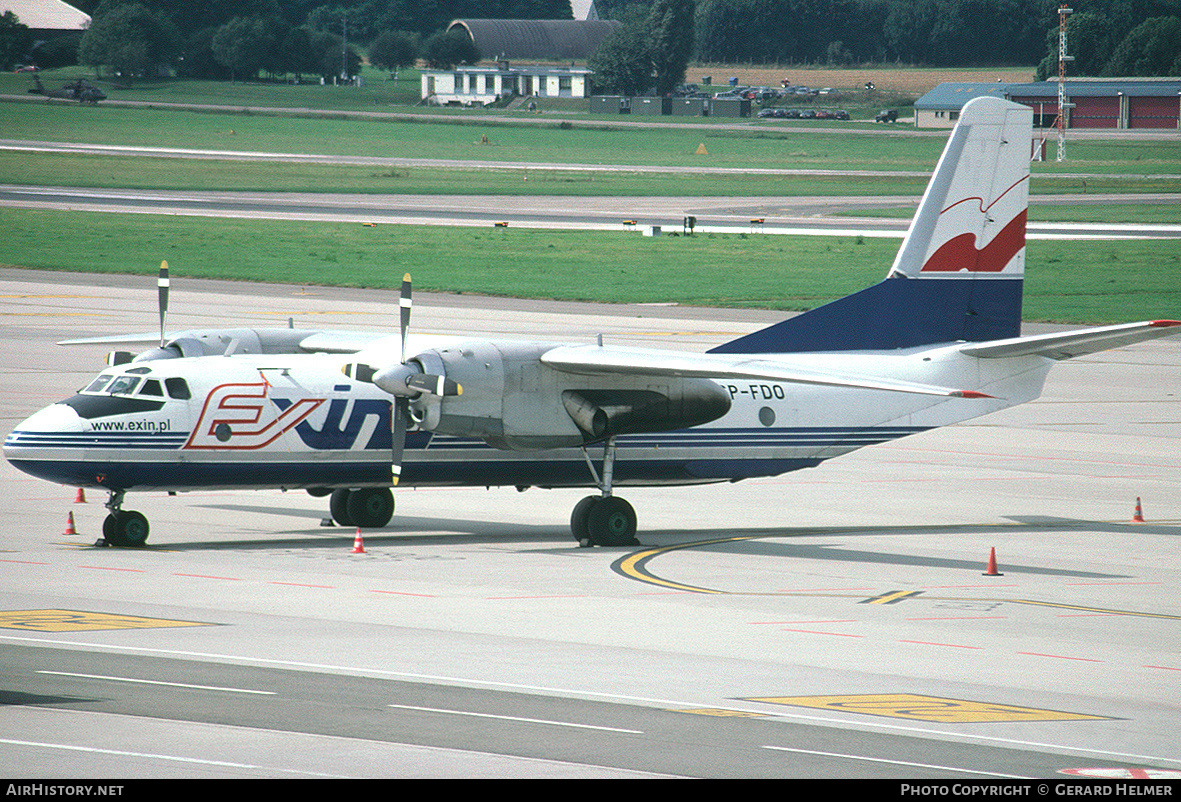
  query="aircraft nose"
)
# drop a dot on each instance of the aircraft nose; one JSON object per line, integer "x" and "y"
{"x": 44, "y": 438}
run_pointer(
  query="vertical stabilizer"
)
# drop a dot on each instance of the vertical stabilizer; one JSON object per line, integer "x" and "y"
{"x": 959, "y": 273}
{"x": 971, "y": 219}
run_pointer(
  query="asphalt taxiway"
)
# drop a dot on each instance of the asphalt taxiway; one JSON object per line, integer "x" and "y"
{"x": 834, "y": 622}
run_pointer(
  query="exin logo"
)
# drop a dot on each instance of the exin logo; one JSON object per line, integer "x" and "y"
{"x": 239, "y": 416}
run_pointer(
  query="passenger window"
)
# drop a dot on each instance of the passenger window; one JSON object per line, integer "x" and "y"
{"x": 123, "y": 385}
{"x": 151, "y": 387}
{"x": 178, "y": 388}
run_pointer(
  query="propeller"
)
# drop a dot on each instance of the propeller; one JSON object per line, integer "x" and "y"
{"x": 162, "y": 284}
{"x": 405, "y": 381}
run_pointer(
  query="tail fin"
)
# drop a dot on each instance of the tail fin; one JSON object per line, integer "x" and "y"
{"x": 959, "y": 273}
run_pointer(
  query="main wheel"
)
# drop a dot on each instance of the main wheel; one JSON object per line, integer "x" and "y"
{"x": 126, "y": 529}
{"x": 371, "y": 507}
{"x": 338, "y": 506}
{"x": 612, "y": 522}
{"x": 580, "y": 520}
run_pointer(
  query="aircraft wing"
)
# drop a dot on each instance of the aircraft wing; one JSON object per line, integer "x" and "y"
{"x": 596, "y": 360}
{"x": 1068, "y": 344}
{"x": 268, "y": 340}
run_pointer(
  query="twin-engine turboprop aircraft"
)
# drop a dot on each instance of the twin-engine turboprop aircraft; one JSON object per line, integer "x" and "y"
{"x": 353, "y": 414}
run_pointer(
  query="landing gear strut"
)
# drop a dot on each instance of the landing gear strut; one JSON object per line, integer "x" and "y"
{"x": 603, "y": 520}
{"x": 124, "y": 528}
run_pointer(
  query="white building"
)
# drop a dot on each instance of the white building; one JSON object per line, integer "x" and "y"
{"x": 483, "y": 85}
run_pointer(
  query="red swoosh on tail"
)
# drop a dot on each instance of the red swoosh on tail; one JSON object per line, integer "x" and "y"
{"x": 960, "y": 253}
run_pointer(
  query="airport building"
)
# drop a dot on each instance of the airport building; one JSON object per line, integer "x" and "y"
{"x": 483, "y": 85}
{"x": 544, "y": 42}
{"x": 1116, "y": 103}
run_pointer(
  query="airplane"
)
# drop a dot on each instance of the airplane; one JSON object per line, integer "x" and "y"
{"x": 353, "y": 414}
{"x": 80, "y": 90}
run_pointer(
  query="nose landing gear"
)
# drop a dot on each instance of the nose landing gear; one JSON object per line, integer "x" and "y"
{"x": 124, "y": 528}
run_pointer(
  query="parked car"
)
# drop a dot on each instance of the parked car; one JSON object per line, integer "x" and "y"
{"x": 886, "y": 116}
{"x": 839, "y": 114}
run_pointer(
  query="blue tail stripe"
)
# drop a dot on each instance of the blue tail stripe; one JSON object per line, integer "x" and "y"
{"x": 896, "y": 313}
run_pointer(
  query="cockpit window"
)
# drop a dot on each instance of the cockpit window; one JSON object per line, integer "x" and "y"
{"x": 97, "y": 385}
{"x": 123, "y": 385}
{"x": 151, "y": 387}
{"x": 178, "y": 388}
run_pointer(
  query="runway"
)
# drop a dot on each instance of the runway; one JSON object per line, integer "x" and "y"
{"x": 828, "y": 623}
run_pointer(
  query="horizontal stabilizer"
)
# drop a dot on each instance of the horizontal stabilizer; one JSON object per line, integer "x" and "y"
{"x": 1068, "y": 344}
{"x": 593, "y": 360}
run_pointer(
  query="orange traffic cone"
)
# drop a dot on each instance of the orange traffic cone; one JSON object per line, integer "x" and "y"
{"x": 992, "y": 564}
{"x": 358, "y": 544}
{"x": 1138, "y": 518}
{"x": 70, "y": 530}
{"x": 80, "y": 496}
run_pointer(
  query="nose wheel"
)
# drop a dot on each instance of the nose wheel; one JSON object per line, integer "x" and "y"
{"x": 124, "y": 528}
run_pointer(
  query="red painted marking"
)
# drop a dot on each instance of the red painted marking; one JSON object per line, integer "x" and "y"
{"x": 207, "y": 576}
{"x": 815, "y": 632}
{"x": 934, "y": 643}
{"x": 961, "y": 254}
{"x": 109, "y": 568}
{"x": 402, "y": 593}
{"x": 302, "y": 585}
{"x": 1061, "y": 657}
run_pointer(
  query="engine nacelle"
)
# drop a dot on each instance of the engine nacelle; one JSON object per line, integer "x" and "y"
{"x": 215, "y": 342}
{"x": 513, "y": 401}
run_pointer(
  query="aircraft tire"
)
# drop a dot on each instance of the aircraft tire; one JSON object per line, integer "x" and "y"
{"x": 126, "y": 529}
{"x": 580, "y": 520}
{"x": 338, "y": 506}
{"x": 371, "y": 507}
{"x": 612, "y": 522}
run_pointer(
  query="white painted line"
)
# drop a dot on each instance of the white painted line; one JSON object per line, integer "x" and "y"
{"x": 518, "y": 718}
{"x": 158, "y": 682}
{"x": 893, "y": 762}
{"x": 151, "y": 755}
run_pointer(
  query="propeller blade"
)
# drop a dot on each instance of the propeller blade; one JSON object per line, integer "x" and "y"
{"x": 433, "y": 385}
{"x": 358, "y": 372}
{"x": 162, "y": 284}
{"x": 404, "y": 303}
{"x": 399, "y": 422}
{"x": 405, "y": 380}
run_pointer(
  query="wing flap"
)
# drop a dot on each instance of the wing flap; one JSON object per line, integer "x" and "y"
{"x": 588, "y": 360}
{"x": 1069, "y": 344}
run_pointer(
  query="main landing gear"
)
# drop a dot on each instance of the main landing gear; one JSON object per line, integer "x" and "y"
{"x": 366, "y": 507}
{"x": 124, "y": 528}
{"x": 603, "y": 520}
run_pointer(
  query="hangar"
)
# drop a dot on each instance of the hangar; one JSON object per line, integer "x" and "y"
{"x": 1116, "y": 103}
{"x": 535, "y": 39}
{"x": 46, "y": 16}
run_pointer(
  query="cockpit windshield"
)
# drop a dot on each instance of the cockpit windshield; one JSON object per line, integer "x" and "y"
{"x": 126, "y": 385}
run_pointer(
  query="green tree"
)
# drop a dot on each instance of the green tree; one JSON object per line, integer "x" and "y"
{"x": 446, "y": 50}
{"x": 241, "y": 46}
{"x": 1152, "y": 48}
{"x": 394, "y": 49}
{"x": 622, "y": 63}
{"x": 671, "y": 25}
{"x": 15, "y": 40}
{"x": 130, "y": 40}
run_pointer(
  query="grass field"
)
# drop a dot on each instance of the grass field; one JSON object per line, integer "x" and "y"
{"x": 1067, "y": 281}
